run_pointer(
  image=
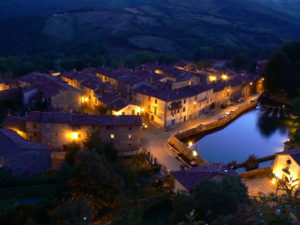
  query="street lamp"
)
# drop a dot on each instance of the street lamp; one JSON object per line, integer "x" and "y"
{"x": 195, "y": 153}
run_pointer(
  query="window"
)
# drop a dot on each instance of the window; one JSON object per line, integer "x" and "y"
{"x": 129, "y": 136}
{"x": 112, "y": 136}
{"x": 183, "y": 109}
{"x": 129, "y": 128}
{"x": 155, "y": 101}
{"x": 178, "y": 110}
{"x": 34, "y": 125}
{"x": 184, "y": 101}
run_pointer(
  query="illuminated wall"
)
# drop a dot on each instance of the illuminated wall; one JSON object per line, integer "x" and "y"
{"x": 281, "y": 163}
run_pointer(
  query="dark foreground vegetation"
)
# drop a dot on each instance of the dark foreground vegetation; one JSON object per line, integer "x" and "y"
{"x": 96, "y": 186}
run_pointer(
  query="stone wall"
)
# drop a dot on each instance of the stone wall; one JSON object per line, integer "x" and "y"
{"x": 183, "y": 149}
{"x": 205, "y": 129}
{"x": 201, "y": 130}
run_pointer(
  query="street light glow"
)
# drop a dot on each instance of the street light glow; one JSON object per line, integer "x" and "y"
{"x": 212, "y": 78}
{"x": 224, "y": 77}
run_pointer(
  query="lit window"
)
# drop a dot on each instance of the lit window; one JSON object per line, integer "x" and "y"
{"x": 129, "y": 136}
{"x": 74, "y": 135}
{"x": 112, "y": 136}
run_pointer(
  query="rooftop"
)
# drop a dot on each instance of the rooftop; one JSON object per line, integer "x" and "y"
{"x": 11, "y": 142}
{"x": 191, "y": 177}
{"x": 78, "y": 119}
{"x": 294, "y": 153}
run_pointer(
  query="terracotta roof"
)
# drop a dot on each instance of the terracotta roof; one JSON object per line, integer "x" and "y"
{"x": 94, "y": 84}
{"x": 75, "y": 75}
{"x": 113, "y": 101}
{"x": 37, "y": 78}
{"x": 119, "y": 104}
{"x": 191, "y": 177}
{"x": 173, "y": 94}
{"x": 11, "y": 143}
{"x": 54, "y": 87}
{"x": 15, "y": 122}
{"x": 294, "y": 153}
{"x": 77, "y": 119}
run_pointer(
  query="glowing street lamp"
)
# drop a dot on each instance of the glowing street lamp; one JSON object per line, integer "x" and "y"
{"x": 195, "y": 153}
{"x": 74, "y": 136}
{"x": 212, "y": 78}
{"x": 224, "y": 77}
{"x": 190, "y": 144}
{"x": 273, "y": 181}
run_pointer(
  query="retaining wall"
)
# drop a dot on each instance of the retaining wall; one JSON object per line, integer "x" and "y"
{"x": 205, "y": 129}
{"x": 177, "y": 144}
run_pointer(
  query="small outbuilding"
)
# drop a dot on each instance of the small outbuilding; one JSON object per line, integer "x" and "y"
{"x": 287, "y": 164}
{"x": 188, "y": 179}
{"x": 22, "y": 157}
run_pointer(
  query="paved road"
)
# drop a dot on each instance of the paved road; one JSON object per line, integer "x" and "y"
{"x": 154, "y": 139}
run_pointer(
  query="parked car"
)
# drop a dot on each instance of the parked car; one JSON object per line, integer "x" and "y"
{"x": 221, "y": 117}
{"x": 223, "y": 106}
{"x": 240, "y": 100}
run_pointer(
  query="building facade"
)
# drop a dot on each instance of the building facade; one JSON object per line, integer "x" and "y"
{"x": 57, "y": 129}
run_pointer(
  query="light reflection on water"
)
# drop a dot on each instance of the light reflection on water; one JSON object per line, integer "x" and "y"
{"x": 249, "y": 134}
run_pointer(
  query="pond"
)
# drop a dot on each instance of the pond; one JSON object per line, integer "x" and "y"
{"x": 252, "y": 133}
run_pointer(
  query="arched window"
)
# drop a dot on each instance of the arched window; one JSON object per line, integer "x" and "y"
{"x": 1, "y": 162}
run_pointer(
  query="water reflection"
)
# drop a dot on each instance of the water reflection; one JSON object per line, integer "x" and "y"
{"x": 269, "y": 125}
{"x": 252, "y": 133}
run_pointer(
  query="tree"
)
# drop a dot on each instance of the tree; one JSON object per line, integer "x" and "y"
{"x": 94, "y": 180}
{"x": 296, "y": 107}
{"x": 211, "y": 195}
{"x": 71, "y": 150}
{"x": 72, "y": 212}
{"x": 211, "y": 199}
{"x": 282, "y": 72}
{"x": 94, "y": 143}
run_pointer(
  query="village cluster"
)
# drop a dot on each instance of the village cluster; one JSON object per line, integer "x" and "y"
{"x": 62, "y": 108}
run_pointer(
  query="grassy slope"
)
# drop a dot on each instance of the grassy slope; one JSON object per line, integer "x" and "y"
{"x": 176, "y": 26}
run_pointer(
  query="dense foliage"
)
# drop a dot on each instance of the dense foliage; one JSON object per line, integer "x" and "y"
{"x": 283, "y": 70}
{"x": 210, "y": 200}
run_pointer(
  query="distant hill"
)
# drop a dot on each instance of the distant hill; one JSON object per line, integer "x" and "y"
{"x": 181, "y": 27}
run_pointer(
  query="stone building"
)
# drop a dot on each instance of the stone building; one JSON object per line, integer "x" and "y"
{"x": 117, "y": 105}
{"x": 55, "y": 95}
{"x": 22, "y": 157}
{"x": 57, "y": 129}
{"x": 171, "y": 95}
{"x": 188, "y": 179}
{"x": 287, "y": 165}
